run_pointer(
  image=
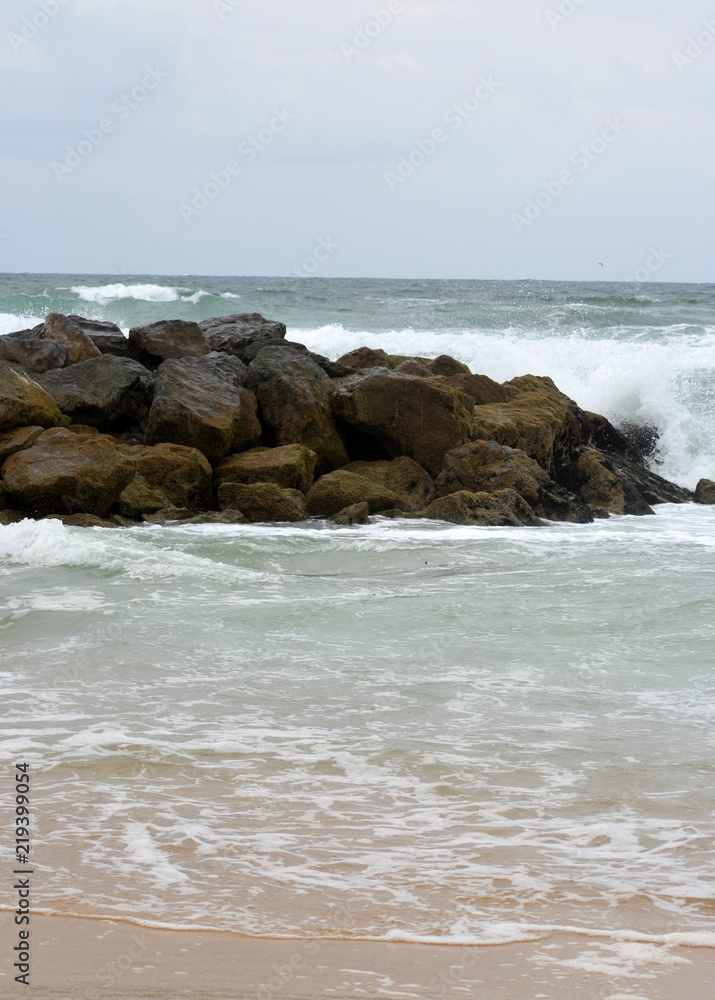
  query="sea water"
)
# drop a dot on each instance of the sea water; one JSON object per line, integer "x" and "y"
{"x": 405, "y": 731}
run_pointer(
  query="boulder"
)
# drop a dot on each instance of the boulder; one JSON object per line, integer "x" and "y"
{"x": 78, "y": 345}
{"x": 366, "y": 357}
{"x": 109, "y": 393}
{"x": 705, "y": 492}
{"x": 196, "y": 406}
{"x": 17, "y": 440}
{"x": 234, "y": 334}
{"x": 171, "y": 338}
{"x": 35, "y": 355}
{"x": 333, "y": 369}
{"x": 81, "y": 520}
{"x": 505, "y": 508}
{"x": 403, "y": 476}
{"x": 183, "y": 474}
{"x": 619, "y": 486}
{"x": 291, "y": 466}
{"x": 484, "y": 389}
{"x": 106, "y": 337}
{"x": 23, "y": 402}
{"x": 64, "y": 473}
{"x": 167, "y": 515}
{"x": 11, "y": 516}
{"x": 448, "y": 366}
{"x": 294, "y": 405}
{"x": 141, "y": 498}
{"x": 487, "y": 467}
{"x": 263, "y": 502}
{"x": 337, "y": 490}
{"x": 415, "y": 366}
{"x": 356, "y": 513}
{"x": 224, "y": 366}
{"x": 419, "y": 417}
{"x": 4, "y": 498}
{"x": 218, "y": 517}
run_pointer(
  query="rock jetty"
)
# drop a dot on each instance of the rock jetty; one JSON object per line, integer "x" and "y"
{"x": 228, "y": 422}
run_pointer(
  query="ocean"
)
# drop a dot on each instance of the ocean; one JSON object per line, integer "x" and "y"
{"x": 407, "y": 731}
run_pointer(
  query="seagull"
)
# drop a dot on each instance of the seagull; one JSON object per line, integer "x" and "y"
{"x": 600, "y": 264}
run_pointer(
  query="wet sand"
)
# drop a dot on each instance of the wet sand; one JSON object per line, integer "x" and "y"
{"x": 84, "y": 958}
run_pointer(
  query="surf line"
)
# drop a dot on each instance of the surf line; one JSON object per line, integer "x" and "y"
{"x": 22, "y": 885}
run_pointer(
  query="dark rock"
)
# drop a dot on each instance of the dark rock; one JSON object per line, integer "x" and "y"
{"x": 292, "y": 467}
{"x": 403, "y": 476}
{"x": 337, "y": 490}
{"x": 67, "y": 473}
{"x": 294, "y": 405}
{"x": 263, "y": 502}
{"x": 34, "y": 355}
{"x": 487, "y": 467}
{"x": 110, "y": 393}
{"x": 18, "y": 440}
{"x": 705, "y": 492}
{"x": 366, "y": 357}
{"x": 505, "y": 508}
{"x": 419, "y": 417}
{"x": 172, "y": 338}
{"x": 106, "y": 337}
{"x": 224, "y": 366}
{"x": 183, "y": 474}
{"x": 641, "y": 441}
{"x": 218, "y": 517}
{"x": 11, "y": 516}
{"x": 23, "y": 402}
{"x": 484, "y": 389}
{"x": 234, "y": 334}
{"x": 196, "y": 406}
{"x": 356, "y": 513}
{"x": 141, "y": 498}
{"x": 78, "y": 345}
{"x": 81, "y": 520}
{"x": 93, "y": 326}
{"x": 448, "y": 366}
{"x": 619, "y": 486}
{"x": 168, "y": 515}
{"x": 333, "y": 369}
{"x": 415, "y": 366}
{"x": 4, "y": 499}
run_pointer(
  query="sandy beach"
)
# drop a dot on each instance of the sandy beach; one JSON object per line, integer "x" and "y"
{"x": 75, "y": 958}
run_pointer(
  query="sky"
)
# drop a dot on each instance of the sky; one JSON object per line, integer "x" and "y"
{"x": 492, "y": 139}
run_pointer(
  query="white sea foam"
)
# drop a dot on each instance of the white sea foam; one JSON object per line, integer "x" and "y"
{"x": 12, "y": 322}
{"x": 104, "y": 294}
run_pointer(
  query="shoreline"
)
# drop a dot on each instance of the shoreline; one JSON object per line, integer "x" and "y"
{"x": 75, "y": 957}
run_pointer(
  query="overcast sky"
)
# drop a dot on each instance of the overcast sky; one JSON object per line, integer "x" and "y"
{"x": 421, "y": 138}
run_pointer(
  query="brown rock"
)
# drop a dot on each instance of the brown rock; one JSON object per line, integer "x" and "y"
{"x": 11, "y": 516}
{"x": 4, "y": 499}
{"x": 171, "y": 338}
{"x": 403, "y": 476}
{"x": 23, "y": 402}
{"x": 81, "y": 520}
{"x": 34, "y": 354}
{"x": 367, "y": 357}
{"x": 448, "y": 366}
{"x": 419, "y": 417}
{"x": 705, "y": 492}
{"x": 337, "y": 490}
{"x": 183, "y": 474}
{"x": 415, "y": 366}
{"x": 505, "y": 508}
{"x": 357, "y": 513}
{"x": 199, "y": 408}
{"x": 77, "y": 344}
{"x": 263, "y": 502}
{"x": 218, "y": 517}
{"x": 64, "y": 473}
{"x": 168, "y": 514}
{"x": 618, "y": 485}
{"x": 17, "y": 440}
{"x": 291, "y": 467}
{"x": 140, "y": 498}
{"x": 487, "y": 467}
{"x": 483, "y": 389}
{"x": 294, "y": 405}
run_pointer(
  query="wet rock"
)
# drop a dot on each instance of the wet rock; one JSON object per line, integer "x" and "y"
{"x": 487, "y": 467}
{"x": 234, "y": 334}
{"x": 448, "y": 366}
{"x": 141, "y": 498}
{"x": 168, "y": 515}
{"x": 218, "y": 517}
{"x": 484, "y": 389}
{"x": 366, "y": 357}
{"x": 23, "y": 402}
{"x": 505, "y": 508}
{"x": 77, "y": 344}
{"x": 292, "y": 467}
{"x": 81, "y": 520}
{"x": 4, "y": 499}
{"x": 415, "y": 366}
{"x": 106, "y": 337}
{"x": 172, "y": 338}
{"x": 357, "y": 513}
{"x": 17, "y": 440}
{"x": 403, "y": 476}
{"x": 337, "y": 490}
{"x": 64, "y": 473}
{"x": 196, "y": 406}
{"x": 333, "y": 369}
{"x": 294, "y": 405}
{"x": 705, "y": 492}
{"x": 619, "y": 486}
{"x": 183, "y": 474}
{"x": 224, "y": 366}
{"x": 263, "y": 502}
{"x": 35, "y": 355}
{"x": 11, "y": 516}
{"x": 106, "y": 392}
{"x": 421, "y": 418}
